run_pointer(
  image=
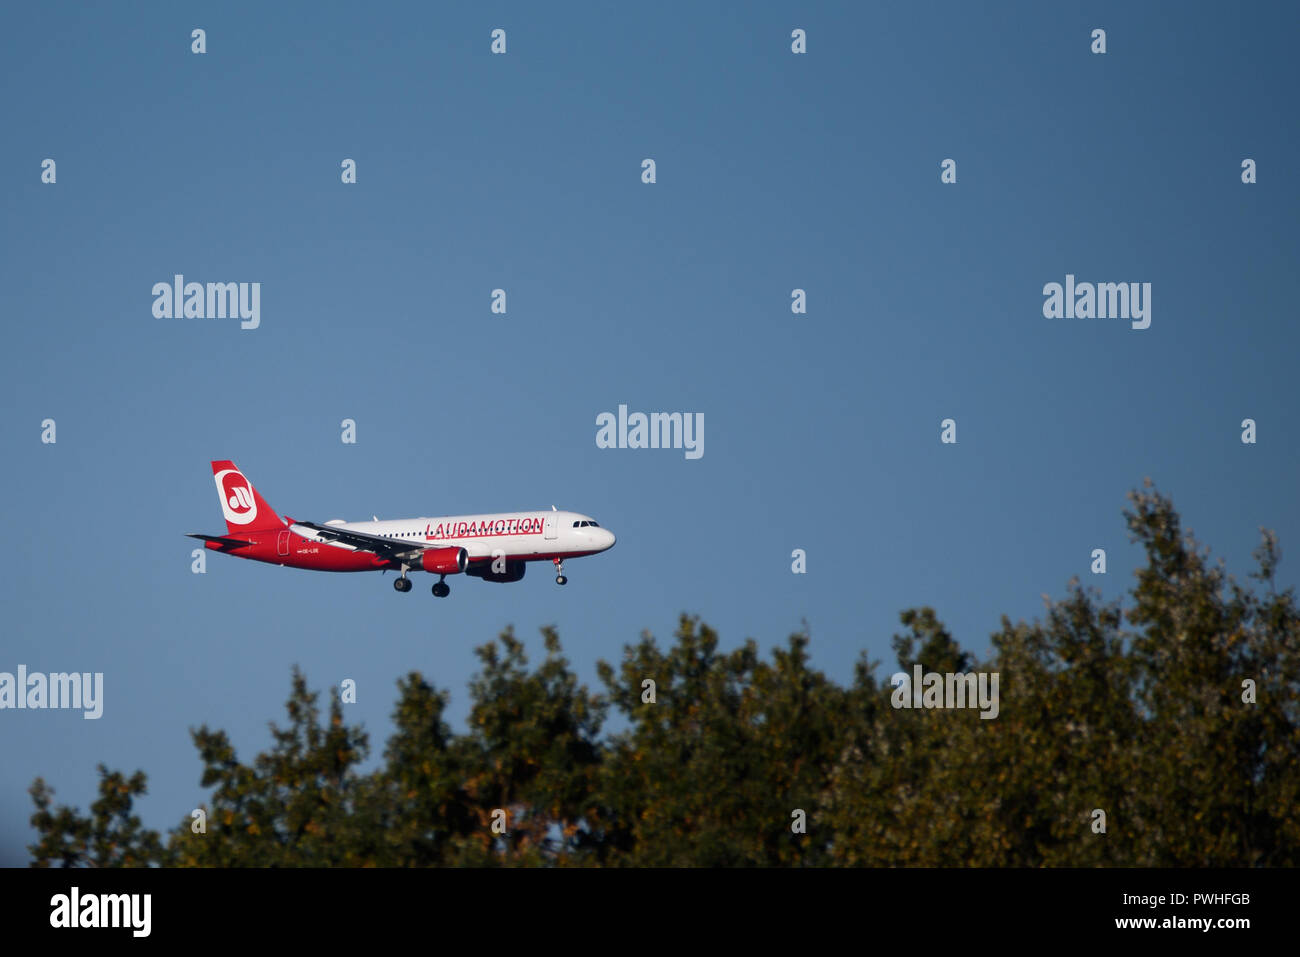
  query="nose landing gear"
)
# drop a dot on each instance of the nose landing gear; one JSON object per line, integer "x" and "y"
{"x": 559, "y": 571}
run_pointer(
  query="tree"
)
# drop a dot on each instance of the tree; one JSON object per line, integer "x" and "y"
{"x": 110, "y": 837}
{"x": 300, "y": 804}
{"x": 533, "y": 753}
{"x": 1173, "y": 716}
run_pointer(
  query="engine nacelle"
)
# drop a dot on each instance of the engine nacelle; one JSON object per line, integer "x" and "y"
{"x": 514, "y": 571}
{"x": 445, "y": 561}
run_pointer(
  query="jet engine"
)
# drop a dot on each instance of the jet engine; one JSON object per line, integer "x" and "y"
{"x": 514, "y": 571}
{"x": 445, "y": 561}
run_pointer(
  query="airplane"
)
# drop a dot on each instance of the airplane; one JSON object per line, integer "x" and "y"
{"x": 495, "y": 547}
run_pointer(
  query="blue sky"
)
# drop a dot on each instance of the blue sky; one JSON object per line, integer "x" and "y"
{"x": 775, "y": 171}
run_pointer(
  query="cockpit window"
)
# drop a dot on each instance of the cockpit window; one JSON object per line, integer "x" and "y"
{"x": 594, "y": 524}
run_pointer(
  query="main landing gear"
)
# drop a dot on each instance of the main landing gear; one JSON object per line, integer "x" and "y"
{"x": 440, "y": 590}
{"x": 559, "y": 571}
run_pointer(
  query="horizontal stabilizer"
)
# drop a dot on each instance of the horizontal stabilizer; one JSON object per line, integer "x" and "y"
{"x": 223, "y": 542}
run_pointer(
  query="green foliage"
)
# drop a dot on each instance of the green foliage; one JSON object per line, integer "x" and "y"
{"x": 110, "y": 837}
{"x": 1137, "y": 712}
{"x": 711, "y": 772}
{"x": 299, "y": 804}
{"x": 532, "y": 752}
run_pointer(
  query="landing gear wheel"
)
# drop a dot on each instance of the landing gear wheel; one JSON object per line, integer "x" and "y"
{"x": 561, "y": 580}
{"x": 441, "y": 590}
{"x": 402, "y": 584}
{"x": 559, "y": 571}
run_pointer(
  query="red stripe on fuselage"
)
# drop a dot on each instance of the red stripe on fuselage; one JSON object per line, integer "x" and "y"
{"x": 314, "y": 556}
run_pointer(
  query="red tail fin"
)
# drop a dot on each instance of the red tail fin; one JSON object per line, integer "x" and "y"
{"x": 244, "y": 508}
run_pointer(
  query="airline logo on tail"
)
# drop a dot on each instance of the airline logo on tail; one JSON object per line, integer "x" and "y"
{"x": 236, "y": 497}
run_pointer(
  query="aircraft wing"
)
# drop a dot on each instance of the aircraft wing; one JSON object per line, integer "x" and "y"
{"x": 396, "y": 550}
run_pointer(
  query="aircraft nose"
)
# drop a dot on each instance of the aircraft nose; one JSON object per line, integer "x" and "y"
{"x": 609, "y": 538}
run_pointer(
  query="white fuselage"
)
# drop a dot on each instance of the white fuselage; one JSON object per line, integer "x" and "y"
{"x": 526, "y": 536}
